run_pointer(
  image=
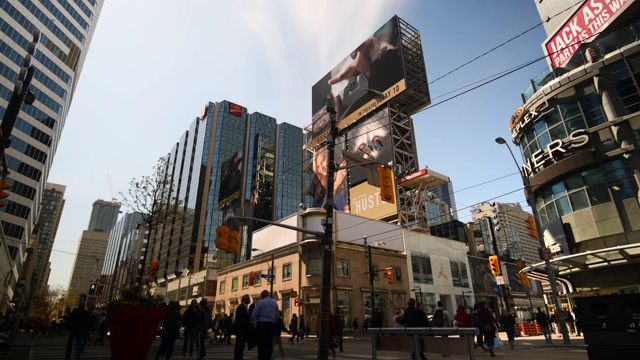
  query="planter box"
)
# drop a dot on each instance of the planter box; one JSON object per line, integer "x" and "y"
{"x": 133, "y": 329}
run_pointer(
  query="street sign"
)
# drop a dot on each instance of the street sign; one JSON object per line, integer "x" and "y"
{"x": 267, "y": 276}
{"x": 500, "y": 280}
{"x": 547, "y": 253}
{"x": 496, "y": 288}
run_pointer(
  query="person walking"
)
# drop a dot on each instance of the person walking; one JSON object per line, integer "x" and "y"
{"x": 203, "y": 321}
{"x": 475, "y": 322}
{"x": 462, "y": 318}
{"x": 355, "y": 327}
{"x": 102, "y": 328}
{"x": 302, "y": 329}
{"x": 576, "y": 321}
{"x": 414, "y": 317}
{"x": 332, "y": 334}
{"x": 277, "y": 333}
{"x": 293, "y": 328}
{"x": 189, "y": 319}
{"x": 570, "y": 321}
{"x": 543, "y": 321}
{"x": 171, "y": 325}
{"x": 508, "y": 322}
{"x": 339, "y": 319}
{"x": 228, "y": 324}
{"x": 441, "y": 318}
{"x": 365, "y": 325}
{"x": 241, "y": 326}
{"x": 488, "y": 325}
{"x": 78, "y": 323}
{"x": 265, "y": 315}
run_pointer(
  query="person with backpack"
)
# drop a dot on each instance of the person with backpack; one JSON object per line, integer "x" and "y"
{"x": 508, "y": 322}
{"x": 441, "y": 318}
{"x": 475, "y": 322}
{"x": 415, "y": 317}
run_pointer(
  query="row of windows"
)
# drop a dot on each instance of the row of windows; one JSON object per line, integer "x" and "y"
{"x": 85, "y": 9}
{"x": 37, "y": 114}
{"x": 29, "y": 150}
{"x": 18, "y": 210}
{"x": 18, "y": 187}
{"x": 23, "y": 43}
{"x": 51, "y": 25}
{"x": 55, "y": 12}
{"x": 72, "y": 11}
{"x": 594, "y": 186}
{"x": 29, "y": 171}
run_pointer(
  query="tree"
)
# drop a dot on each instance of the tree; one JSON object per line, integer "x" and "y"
{"x": 47, "y": 301}
{"x": 153, "y": 197}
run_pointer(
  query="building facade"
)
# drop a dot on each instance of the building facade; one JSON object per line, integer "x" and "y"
{"x": 51, "y": 211}
{"x": 227, "y": 160}
{"x": 104, "y": 215}
{"x": 578, "y": 131}
{"x": 66, "y": 31}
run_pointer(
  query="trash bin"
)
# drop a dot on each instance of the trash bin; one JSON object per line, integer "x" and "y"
{"x": 611, "y": 325}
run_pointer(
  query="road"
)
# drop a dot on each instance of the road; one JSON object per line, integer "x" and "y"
{"x": 527, "y": 348}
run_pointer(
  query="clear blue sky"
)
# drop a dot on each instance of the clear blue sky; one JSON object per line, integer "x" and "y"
{"x": 153, "y": 64}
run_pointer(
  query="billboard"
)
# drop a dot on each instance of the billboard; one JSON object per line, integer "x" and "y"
{"x": 372, "y": 140}
{"x": 318, "y": 188}
{"x": 586, "y": 23}
{"x": 481, "y": 277}
{"x": 365, "y": 201}
{"x": 376, "y": 64}
{"x": 230, "y": 179}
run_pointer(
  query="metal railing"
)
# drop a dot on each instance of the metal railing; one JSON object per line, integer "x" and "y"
{"x": 420, "y": 340}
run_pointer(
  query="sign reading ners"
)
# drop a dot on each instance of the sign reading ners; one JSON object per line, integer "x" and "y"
{"x": 590, "y": 19}
{"x": 554, "y": 152}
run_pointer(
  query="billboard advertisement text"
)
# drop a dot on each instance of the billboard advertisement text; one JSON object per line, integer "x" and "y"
{"x": 364, "y": 200}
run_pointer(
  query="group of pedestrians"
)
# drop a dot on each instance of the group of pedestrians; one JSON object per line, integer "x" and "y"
{"x": 297, "y": 329}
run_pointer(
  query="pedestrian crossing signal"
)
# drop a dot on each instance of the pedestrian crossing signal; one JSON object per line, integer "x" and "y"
{"x": 92, "y": 289}
{"x": 252, "y": 278}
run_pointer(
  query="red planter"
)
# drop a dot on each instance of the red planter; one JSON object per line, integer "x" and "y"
{"x": 133, "y": 329}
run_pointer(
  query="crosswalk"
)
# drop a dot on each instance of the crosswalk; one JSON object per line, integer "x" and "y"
{"x": 58, "y": 353}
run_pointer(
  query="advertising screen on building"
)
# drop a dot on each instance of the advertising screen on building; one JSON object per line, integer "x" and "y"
{"x": 582, "y": 27}
{"x": 376, "y": 64}
{"x": 481, "y": 278}
{"x": 318, "y": 188}
{"x": 370, "y": 139}
{"x": 230, "y": 179}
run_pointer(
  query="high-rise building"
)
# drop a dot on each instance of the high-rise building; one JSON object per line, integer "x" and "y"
{"x": 447, "y": 211}
{"x": 104, "y": 216}
{"x": 51, "y": 208}
{"x": 578, "y": 131}
{"x": 88, "y": 263}
{"x": 511, "y": 234}
{"x": 228, "y": 159}
{"x": 66, "y": 30}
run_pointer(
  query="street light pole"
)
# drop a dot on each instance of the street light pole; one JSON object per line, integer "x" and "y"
{"x": 368, "y": 256}
{"x": 327, "y": 241}
{"x": 547, "y": 262}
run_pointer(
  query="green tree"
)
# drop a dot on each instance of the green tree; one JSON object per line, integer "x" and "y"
{"x": 47, "y": 301}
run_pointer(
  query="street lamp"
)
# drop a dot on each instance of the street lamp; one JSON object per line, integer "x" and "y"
{"x": 464, "y": 300}
{"x": 547, "y": 262}
{"x": 419, "y": 290}
{"x": 271, "y": 268}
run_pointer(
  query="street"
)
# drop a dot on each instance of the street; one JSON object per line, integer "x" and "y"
{"x": 529, "y": 347}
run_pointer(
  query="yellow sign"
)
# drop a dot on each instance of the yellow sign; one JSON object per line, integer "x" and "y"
{"x": 365, "y": 201}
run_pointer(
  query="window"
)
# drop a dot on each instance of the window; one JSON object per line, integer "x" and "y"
{"x": 286, "y": 272}
{"x": 375, "y": 272}
{"x": 344, "y": 303}
{"x": 314, "y": 266}
{"x": 258, "y": 280}
{"x": 459, "y": 273}
{"x": 421, "y": 266}
{"x": 397, "y": 273}
{"x": 234, "y": 284}
{"x": 245, "y": 281}
{"x": 343, "y": 268}
{"x": 222, "y": 286}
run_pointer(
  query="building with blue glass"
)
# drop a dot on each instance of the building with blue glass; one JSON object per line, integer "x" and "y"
{"x": 66, "y": 28}
{"x": 578, "y": 131}
{"x": 228, "y": 159}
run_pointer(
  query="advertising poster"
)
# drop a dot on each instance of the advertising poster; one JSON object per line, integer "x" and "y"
{"x": 370, "y": 139}
{"x": 481, "y": 276}
{"x": 365, "y": 201}
{"x": 230, "y": 179}
{"x": 318, "y": 188}
{"x": 376, "y": 64}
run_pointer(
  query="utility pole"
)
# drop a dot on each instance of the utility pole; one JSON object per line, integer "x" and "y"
{"x": 273, "y": 274}
{"x": 367, "y": 255}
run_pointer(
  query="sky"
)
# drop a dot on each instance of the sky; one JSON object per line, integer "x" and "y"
{"x": 153, "y": 64}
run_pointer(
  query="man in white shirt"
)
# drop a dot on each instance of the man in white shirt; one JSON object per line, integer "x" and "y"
{"x": 264, "y": 317}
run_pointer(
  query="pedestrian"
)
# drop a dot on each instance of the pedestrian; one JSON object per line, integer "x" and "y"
{"x": 277, "y": 333}
{"x": 227, "y": 323}
{"x": 339, "y": 319}
{"x": 190, "y": 332}
{"x": 78, "y": 322}
{"x": 37, "y": 323}
{"x": 53, "y": 328}
{"x": 265, "y": 315}
{"x": 203, "y": 322}
{"x": 508, "y": 322}
{"x": 365, "y": 325}
{"x": 89, "y": 328}
{"x": 333, "y": 338}
{"x": 171, "y": 331}
{"x": 103, "y": 326}
{"x": 293, "y": 328}
{"x": 441, "y": 318}
{"x": 570, "y": 321}
{"x": 488, "y": 325}
{"x": 462, "y": 318}
{"x": 355, "y": 327}
{"x": 241, "y": 327}
{"x": 397, "y": 319}
{"x": 543, "y": 321}
{"x": 576, "y": 322}
{"x": 475, "y": 322}
{"x": 302, "y": 329}
{"x": 414, "y": 317}
{"x": 44, "y": 327}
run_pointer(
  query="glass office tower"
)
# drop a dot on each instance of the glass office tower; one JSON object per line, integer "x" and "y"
{"x": 66, "y": 28}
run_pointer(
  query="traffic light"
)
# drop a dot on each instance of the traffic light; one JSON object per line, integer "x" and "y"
{"x": 524, "y": 279}
{"x": 153, "y": 269}
{"x": 294, "y": 294}
{"x": 4, "y": 185}
{"x": 390, "y": 276}
{"x": 233, "y": 241}
{"x": 494, "y": 265}
{"x": 92, "y": 289}
{"x": 252, "y": 278}
{"x": 99, "y": 289}
{"x": 495, "y": 218}
{"x": 296, "y": 302}
{"x": 227, "y": 239}
{"x": 387, "y": 188}
{"x": 531, "y": 225}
